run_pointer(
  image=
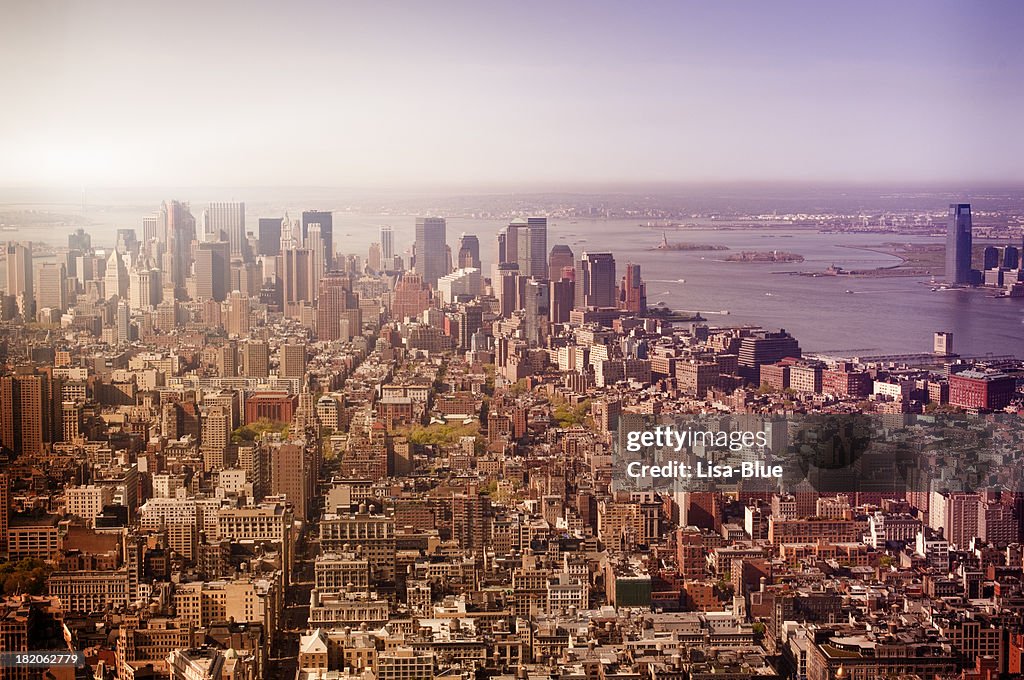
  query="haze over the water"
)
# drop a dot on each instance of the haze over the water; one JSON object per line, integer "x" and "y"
{"x": 387, "y": 94}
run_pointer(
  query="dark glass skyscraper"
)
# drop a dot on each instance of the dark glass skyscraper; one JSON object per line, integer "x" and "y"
{"x": 431, "y": 249}
{"x": 958, "y": 244}
{"x": 270, "y": 235}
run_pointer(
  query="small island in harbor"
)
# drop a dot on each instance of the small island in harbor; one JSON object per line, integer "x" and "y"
{"x": 665, "y": 245}
{"x": 764, "y": 256}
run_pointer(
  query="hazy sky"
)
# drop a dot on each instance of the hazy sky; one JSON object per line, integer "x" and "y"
{"x": 376, "y": 94}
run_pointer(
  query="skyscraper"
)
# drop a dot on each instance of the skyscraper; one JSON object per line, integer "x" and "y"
{"x": 180, "y": 229}
{"x": 387, "y": 245}
{"x": 958, "y": 244}
{"x": 431, "y": 249}
{"x": 469, "y": 252}
{"x": 326, "y": 221}
{"x": 79, "y": 240}
{"x": 633, "y": 292}
{"x": 32, "y": 406}
{"x": 537, "y": 230}
{"x": 51, "y": 286}
{"x": 115, "y": 280}
{"x": 318, "y": 257}
{"x": 598, "y": 284}
{"x": 296, "y": 276}
{"x": 226, "y": 222}
{"x": 19, "y": 276}
{"x": 270, "y": 235}
{"x": 213, "y": 270}
{"x": 561, "y": 257}
{"x": 238, "y": 314}
{"x": 335, "y": 298}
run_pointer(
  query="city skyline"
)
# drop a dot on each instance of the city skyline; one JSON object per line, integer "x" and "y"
{"x": 681, "y": 92}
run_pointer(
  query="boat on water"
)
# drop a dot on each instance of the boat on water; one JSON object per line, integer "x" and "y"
{"x": 849, "y": 292}
{"x": 680, "y": 280}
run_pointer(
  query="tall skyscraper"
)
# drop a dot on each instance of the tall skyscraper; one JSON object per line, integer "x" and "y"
{"x": 469, "y": 252}
{"x": 598, "y": 284}
{"x": 226, "y": 222}
{"x": 536, "y": 304}
{"x": 373, "y": 258}
{"x": 512, "y": 242}
{"x": 127, "y": 243}
{"x": 561, "y": 257}
{"x": 563, "y": 298}
{"x": 115, "y": 280}
{"x": 19, "y": 276}
{"x": 334, "y": 300}
{"x": 506, "y": 284}
{"x": 270, "y": 235}
{"x": 431, "y": 249}
{"x": 213, "y": 270}
{"x": 632, "y": 291}
{"x": 296, "y": 276}
{"x": 326, "y": 222}
{"x": 51, "y": 286}
{"x": 537, "y": 246}
{"x": 387, "y": 245}
{"x": 80, "y": 241}
{"x": 180, "y": 230}
{"x": 144, "y": 289}
{"x": 30, "y": 417}
{"x": 318, "y": 258}
{"x": 153, "y": 227}
{"x": 958, "y": 244}
{"x": 238, "y": 314}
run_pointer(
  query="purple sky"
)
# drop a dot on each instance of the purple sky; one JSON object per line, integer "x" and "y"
{"x": 341, "y": 93}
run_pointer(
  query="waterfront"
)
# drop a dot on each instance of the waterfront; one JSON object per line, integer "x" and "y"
{"x": 881, "y": 315}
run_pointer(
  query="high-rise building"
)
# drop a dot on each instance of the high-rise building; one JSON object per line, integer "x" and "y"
{"x": 297, "y": 276}
{"x": 213, "y": 270}
{"x": 537, "y": 248}
{"x": 30, "y": 417}
{"x": 387, "y": 245}
{"x": 598, "y": 280}
{"x": 51, "y": 286}
{"x": 255, "y": 359}
{"x": 563, "y": 299}
{"x": 19, "y": 276}
{"x": 511, "y": 249}
{"x": 153, "y": 228}
{"x": 270, "y": 235}
{"x": 1011, "y": 257}
{"x": 292, "y": 361}
{"x": 334, "y": 301}
{"x": 127, "y": 244}
{"x": 373, "y": 258}
{"x": 226, "y": 222}
{"x": 80, "y": 241}
{"x": 238, "y": 314}
{"x": 632, "y": 291}
{"x": 561, "y": 257}
{"x": 943, "y": 345}
{"x": 410, "y": 297}
{"x": 431, "y": 249}
{"x": 991, "y": 258}
{"x": 115, "y": 279}
{"x": 469, "y": 252}
{"x": 958, "y": 244}
{"x": 318, "y": 258}
{"x": 180, "y": 232}
{"x": 326, "y": 222}
{"x": 144, "y": 289}
{"x": 5, "y": 511}
{"x": 506, "y": 284}
{"x": 536, "y": 303}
